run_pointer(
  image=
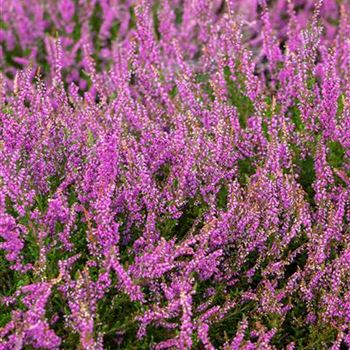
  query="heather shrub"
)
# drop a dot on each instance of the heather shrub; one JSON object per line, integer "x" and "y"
{"x": 175, "y": 175}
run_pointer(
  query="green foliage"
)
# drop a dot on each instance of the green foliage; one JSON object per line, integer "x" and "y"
{"x": 246, "y": 169}
{"x": 336, "y": 154}
{"x": 178, "y": 228}
{"x": 222, "y": 198}
{"x": 340, "y": 108}
{"x": 307, "y": 176}
{"x": 96, "y": 19}
{"x": 243, "y": 104}
{"x": 295, "y": 116}
{"x": 155, "y": 9}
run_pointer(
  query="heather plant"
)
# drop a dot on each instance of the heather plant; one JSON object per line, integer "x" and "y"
{"x": 175, "y": 175}
{"x": 28, "y": 28}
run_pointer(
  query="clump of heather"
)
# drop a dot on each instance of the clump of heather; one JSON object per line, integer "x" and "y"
{"x": 28, "y": 28}
{"x": 175, "y": 175}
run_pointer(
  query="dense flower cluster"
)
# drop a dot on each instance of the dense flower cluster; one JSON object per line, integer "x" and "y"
{"x": 174, "y": 174}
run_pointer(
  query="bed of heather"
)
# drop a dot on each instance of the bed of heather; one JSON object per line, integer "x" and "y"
{"x": 175, "y": 174}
